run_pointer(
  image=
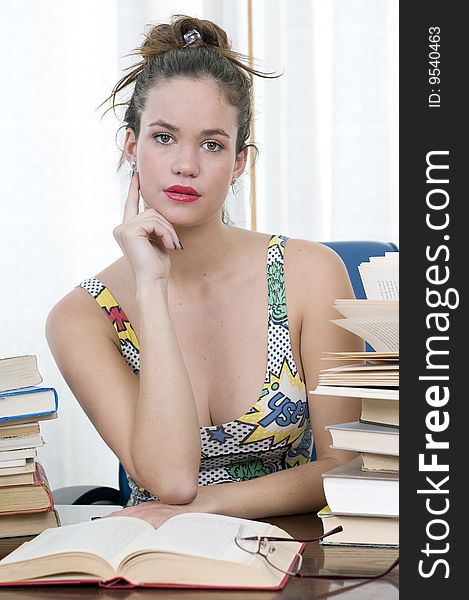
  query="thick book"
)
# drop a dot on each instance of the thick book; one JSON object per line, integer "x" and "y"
{"x": 18, "y": 529}
{"x": 28, "y": 467}
{"x": 17, "y": 454}
{"x": 364, "y": 437}
{"x": 351, "y": 491}
{"x": 26, "y": 524}
{"x": 359, "y": 530}
{"x": 19, "y": 442}
{"x": 345, "y": 559}
{"x": 188, "y": 550}
{"x": 17, "y": 479}
{"x": 19, "y": 429}
{"x": 27, "y": 402}
{"x": 380, "y": 462}
{"x": 18, "y": 372}
{"x": 378, "y": 411}
{"x": 16, "y": 499}
{"x": 25, "y": 420}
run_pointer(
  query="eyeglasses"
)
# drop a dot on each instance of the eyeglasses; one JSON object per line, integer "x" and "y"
{"x": 278, "y": 556}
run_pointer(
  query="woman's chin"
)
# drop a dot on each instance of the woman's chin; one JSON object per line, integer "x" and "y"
{"x": 188, "y": 216}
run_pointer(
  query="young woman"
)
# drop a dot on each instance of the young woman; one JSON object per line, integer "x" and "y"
{"x": 194, "y": 352}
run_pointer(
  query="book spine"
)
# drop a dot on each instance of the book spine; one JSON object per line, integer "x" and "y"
{"x": 26, "y": 512}
{"x": 40, "y": 478}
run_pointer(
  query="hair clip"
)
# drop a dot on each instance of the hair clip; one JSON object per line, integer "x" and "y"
{"x": 191, "y": 36}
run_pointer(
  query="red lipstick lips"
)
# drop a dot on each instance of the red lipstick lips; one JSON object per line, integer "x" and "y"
{"x": 182, "y": 193}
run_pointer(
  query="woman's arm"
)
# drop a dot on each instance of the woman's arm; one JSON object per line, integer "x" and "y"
{"x": 87, "y": 352}
{"x": 150, "y": 423}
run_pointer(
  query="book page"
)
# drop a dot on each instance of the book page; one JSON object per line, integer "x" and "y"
{"x": 381, "y": 282}
{"x": 108, "y": 538}
{"x": 200, "y": 534}
{"x": 382, "y": 333}
{"x": 365, "y": 308}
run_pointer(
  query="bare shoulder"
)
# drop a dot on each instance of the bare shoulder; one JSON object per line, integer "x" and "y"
{"x": 73, "y": 317}
{"x": 78, "y": 303}
{"x": 304, "y": 258}
{"x": 78, "y": 311}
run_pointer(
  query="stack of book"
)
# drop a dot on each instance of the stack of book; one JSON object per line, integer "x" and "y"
{"x": 26, "y": 501}
{"x": 363, "y": 494}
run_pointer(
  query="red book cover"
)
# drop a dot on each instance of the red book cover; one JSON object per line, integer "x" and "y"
{"x": 37, "y": 497}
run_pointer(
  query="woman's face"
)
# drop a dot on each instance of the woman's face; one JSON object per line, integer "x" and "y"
{"x": 187, "y": 138}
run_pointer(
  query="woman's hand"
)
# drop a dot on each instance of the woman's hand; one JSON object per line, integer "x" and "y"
{"x": 145, "y": 238}
{"x": 156, "y": 513}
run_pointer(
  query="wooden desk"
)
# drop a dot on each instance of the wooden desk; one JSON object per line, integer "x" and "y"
{"x": 316, "y": 557}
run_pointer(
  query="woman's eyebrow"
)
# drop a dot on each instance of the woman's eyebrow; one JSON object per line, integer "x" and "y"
{"x": 170, "y": 127}
{"x": 215, "y": 132}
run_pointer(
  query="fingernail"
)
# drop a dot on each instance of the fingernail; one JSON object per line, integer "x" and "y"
{"x": 180, "y": 243}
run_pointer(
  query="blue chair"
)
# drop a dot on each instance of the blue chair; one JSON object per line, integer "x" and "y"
{"x": 355, "y": 252}
{"x": 351, "y": 252}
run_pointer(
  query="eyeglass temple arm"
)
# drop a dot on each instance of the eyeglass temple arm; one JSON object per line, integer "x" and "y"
{"x": 283, "y": 539}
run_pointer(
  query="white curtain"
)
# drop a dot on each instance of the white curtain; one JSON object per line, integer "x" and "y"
{"x": 326, "y": 130}
{"x": 328, "y": 127}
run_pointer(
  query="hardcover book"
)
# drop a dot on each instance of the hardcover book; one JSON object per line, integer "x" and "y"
{"x": 15, "y": 499}
{"x": 380, "y": 462}
{"x": 18, "y": 372}
{"x": 19, "y": 429}
{"x": 351, "y": 491}
{"x": 188, "y": 550}
{"x": 365, "y": 437}
{"x": 16, "y": 529}
{"x": 359, "y": 530}
{"x": 28, "y": 402}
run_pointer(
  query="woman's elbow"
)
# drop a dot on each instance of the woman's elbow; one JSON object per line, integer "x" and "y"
{"x": 174, "y": 492}
{"x": 176, "y": 484}
{"x": 170, "y": 489}
{"x": 179, "y": 495}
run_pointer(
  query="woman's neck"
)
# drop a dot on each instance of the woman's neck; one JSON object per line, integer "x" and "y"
{"x": 207, "y": 250}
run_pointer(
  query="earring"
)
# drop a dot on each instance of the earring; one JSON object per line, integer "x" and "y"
{"x": 233, "y": 181}
{"x": 133, "y": 166}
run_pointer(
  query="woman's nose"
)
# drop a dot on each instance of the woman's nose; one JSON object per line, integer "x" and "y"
{"x": 186, "y": 163}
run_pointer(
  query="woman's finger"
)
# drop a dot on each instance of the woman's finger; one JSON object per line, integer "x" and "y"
{"x": 153, "y": 214}
{"x": 133, "y": 197}
{"x": 148, "y": 226}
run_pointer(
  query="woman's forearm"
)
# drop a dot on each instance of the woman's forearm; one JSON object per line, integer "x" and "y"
{"x": 165, "y": 438}
{"x": 295, "y": 490}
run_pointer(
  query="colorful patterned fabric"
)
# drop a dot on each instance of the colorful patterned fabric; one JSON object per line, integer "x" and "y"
{"x": 274, "y": 434}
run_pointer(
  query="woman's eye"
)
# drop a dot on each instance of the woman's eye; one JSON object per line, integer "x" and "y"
{"x": 163, "y": 138}
{"x": 212, "y": 146}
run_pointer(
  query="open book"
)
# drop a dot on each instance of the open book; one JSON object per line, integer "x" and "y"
{"x": 188, "y": 550}
{"x": 382, "y": 333}
{"x": 380, "y": 276}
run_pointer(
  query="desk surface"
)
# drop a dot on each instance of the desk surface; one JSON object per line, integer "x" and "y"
{"x": 345, "y": 559}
